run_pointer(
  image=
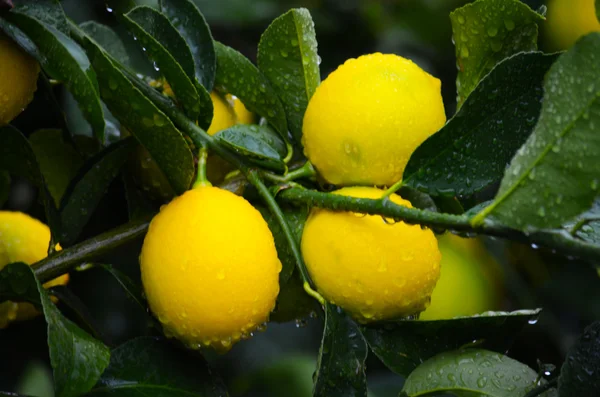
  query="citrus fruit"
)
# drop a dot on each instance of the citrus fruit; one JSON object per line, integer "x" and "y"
{"x": 372, "y": 267}
{"x": 242, "y": 114}
{"x": 367, "y": 118}
{"x": 209, "y": 268}
{"x": 19, "y": 79}
{"x": 23, "y": 239}
{"x": 468, "y": 284}
{"x": 567, "y": 21}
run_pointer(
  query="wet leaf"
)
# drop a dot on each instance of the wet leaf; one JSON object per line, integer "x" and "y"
{"x": 472, "y": 150}
{"x": 77, "y": 358}
{"x": 153, "y": 367}
{"x": 59, "y": 161}
{"x": 472, "y": 372}
{"x": 49, "y": 12}
{"x": 134, "y": 291}
{"x": 165, "y": 46}
{"x": 18, "y": 158}
{"x": 404, "y": 345}
{"x": 120, "y": 7}
{"x": 4, "y": 187}
{"x": 556, "y": 173}
{"x": 238, "y": 76}
{"x": 287, "y": 56}
{"x": 190, "y": 23}
{"x": 487, "y": 31}
{"x": 87, "y": 190}
{"x": 590, "y": 229}
{"x": 151, "y": 127}
{"x": 260, "y": 144}
{"x": 341, "y": 363}
{"x": 63, "y": 60}
{"x": 108, "y": 39}
{"x": 579, "y": 373}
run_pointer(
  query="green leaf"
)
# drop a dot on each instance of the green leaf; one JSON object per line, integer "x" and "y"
{"x": 18, "y": 158}
{"x": 259, "y": 144}
{"x": 151, "y": 127}
{"x": 149, "y": 366}
{"x": 49, "y": 12}
{"x": 403, "y": 345}
{"x": 189, "y": 21}
{"x": 487, "y": 31}
{"x": 598, "y": 9}
{"x": 418, "y": 199}
{"x": 341, "y": 363}
{"x": 579, "y": 373}
{"x": 296, "y": 217}
{"x": 86, "y": 191}
{"x": 108, "y": 39}
{"x": 76, "y": 357}
{"x": 134, "y": 291}
{"x": 63, "y": 60}
{"x": 238, "y": 76}
{"x": 472, "y": 372}
{"x": 590, "y": 229}
{"x": 4, "y": 187}
{"x": 556, "y": 173}
{"x": 173, "y": 56}
{"x": 287, "y": 56}
{"x": 471, "y": 151}
{"x": 58, "y": 160}
{"x": 120, "y": 7}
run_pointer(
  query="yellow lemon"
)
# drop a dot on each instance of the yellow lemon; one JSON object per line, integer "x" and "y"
{"x": 242, "y": 114}
{"x": 468, "y": 284}
{"x": 209, "y": 268}
{"x": 23, "y": 239}
{"x": 223, "y": 114}
{"x": 567, "y": 21}
{"x": 373, "y": 268}
{"x": 18, "y": 81}
{"x": 367, "y": 118}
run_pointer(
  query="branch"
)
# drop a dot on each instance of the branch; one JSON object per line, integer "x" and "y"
{"x": 555, "y": 239}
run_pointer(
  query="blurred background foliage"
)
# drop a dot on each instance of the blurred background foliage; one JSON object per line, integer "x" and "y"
{"x": 282, "y": 359}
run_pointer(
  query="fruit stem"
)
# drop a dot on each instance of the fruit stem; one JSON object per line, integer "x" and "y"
{"x": 290, "y": 152}
{"x": 308, "y": 289}
{"x": 393, "y": 189}
{"x": 306, "y": 171}
{"x": 201, "y": 179}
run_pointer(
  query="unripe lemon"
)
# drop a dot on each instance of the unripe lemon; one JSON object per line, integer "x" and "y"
{"x": 18, "y": 81}
{"x": 209, "y": 268}
{"x": 367, "y": 118}
{"x": 373, "y": 268}
{"x": 468, "y": 284}
{"x": 23, "y": 239}
{"x": 567, "y": 21}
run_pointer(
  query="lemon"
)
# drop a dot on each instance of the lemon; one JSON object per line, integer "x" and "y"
{"x": 367, "y": 118}
{"x": 19, "y": 79}
{"x": 373, "y": 268}
{"x": 468, "y": 284}
{"x": 567, "y": 21}
{"x": 223, "y": 114}
{"x": 23, "y": 239}
{"x": 242, "y": 114}
{"x": 209, "y": 268}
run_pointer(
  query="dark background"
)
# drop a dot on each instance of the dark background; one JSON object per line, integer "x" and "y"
{"x": 281, "y": 360}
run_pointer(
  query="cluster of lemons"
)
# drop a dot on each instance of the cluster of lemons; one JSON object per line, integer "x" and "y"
{"x": 209, "y": 264}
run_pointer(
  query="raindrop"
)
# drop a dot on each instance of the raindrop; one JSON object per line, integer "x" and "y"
{"x": 510, "y": 25}
{"x": 461, "y": 19}
{"x": 492, "y": 31}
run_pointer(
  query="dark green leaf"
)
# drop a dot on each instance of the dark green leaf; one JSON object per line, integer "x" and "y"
{"x": 598, "y": 9}
{"x": 472, "y": 372}
{"x": 341, "y": 364}
{"x": 76, "y": 357}
{"x": 418, "y": 199}
{"x": 172, "y": 55}
{"x": 579, "y": 373}
{"x": 259, "y": 144}
{"x": 120, "y": 7}
{"x": 472, "y": 150}
{"x": 487, "y": 31}
{"x": 49, "y": 12}
{"x": 588, "y": 224}
{"x": 556, "y": 173}
{"x": 152, "y": 367}
{"x": 138, "y": 204}
{"x": 86, "y": 191}
{"x": 108, "y": 39}
{"x": 287, "y": 56}
{"x": 238, "y": 76}
{"x": 296, "y": 217}
{"x": 18, "y": 158}
{"x": 4, "y": 187}
{"x": 63, "y": 60}
{"x": 189, "y": 21}
{"x": 58, "y": 160}
{"x": 133, "y": 290}
{"x": 403, "y": 345}
{"x": 147, "y": 124}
